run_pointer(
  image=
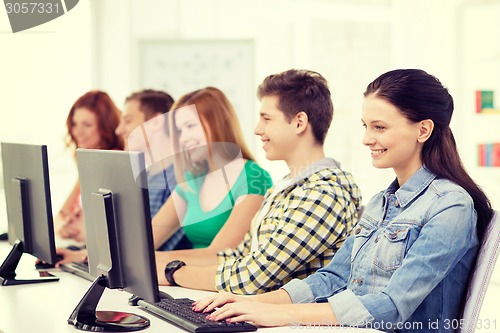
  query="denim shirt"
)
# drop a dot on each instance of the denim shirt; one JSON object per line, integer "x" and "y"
{"x": 405, "y": 267}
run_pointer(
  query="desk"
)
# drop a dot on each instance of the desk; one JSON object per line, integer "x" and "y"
{"x": 45, "y": 307}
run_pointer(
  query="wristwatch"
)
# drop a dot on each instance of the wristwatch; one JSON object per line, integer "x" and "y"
{"x": 171, "y": 268}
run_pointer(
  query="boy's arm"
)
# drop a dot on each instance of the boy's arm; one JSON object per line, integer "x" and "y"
{"x": 313, "y": 220}
{"x": 196, "y": 277}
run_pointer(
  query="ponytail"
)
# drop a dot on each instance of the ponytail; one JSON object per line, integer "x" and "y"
{"x": 440, "y": 156}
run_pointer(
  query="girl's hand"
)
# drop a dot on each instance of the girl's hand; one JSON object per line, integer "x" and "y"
{"x": 209, "y": 303}
{"x": 70, "y": 256}
{"x": 73, "y": 226}
{"x": 260, "y": 314}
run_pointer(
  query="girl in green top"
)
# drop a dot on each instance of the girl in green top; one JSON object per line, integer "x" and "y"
{"x": 201, "y": 225}
{"x": 220, "y": 187}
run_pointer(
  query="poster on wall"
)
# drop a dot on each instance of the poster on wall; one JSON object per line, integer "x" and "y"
{"x": 181, "y": 66}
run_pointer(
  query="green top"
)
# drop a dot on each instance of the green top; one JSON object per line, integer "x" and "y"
{"x": 201, "y": 226}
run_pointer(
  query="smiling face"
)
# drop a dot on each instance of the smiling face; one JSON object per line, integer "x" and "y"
{"x": 275, "y": 131}
{"x": 85, "y": 129}
{"x": 391, "y": 137}
{"x": 132, "y": 117}
{"x": 191, "y": 133}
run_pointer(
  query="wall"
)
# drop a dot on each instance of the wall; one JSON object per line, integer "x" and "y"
{"x": 338, "y": 39}
{"x": 349, "y": 42}
{"x": 43, "y": 71}
{"x": 96, "y": 45}
{"x": 479, "y": 70}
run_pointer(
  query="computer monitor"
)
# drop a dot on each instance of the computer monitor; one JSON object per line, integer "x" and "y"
{"x": 119, "y": 236}
{"x": 29, "y": 211}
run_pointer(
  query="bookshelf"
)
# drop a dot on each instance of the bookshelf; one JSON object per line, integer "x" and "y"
{"x": 478, "y": 105}
{"x": 488, "y": 153}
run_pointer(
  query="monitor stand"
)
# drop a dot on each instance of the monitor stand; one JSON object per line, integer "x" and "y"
{"x": 8, "y": 276}
{"x": 85, "y": 317}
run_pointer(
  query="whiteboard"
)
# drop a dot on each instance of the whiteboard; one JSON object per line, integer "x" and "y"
{"x": 181, "y": 66}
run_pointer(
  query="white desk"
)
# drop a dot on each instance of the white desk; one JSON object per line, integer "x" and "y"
{"x": 45, "y": 307}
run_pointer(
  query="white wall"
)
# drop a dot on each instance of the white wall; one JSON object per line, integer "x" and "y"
{"x": 42, "y": 72}
{"x": 350, "y": 42}
{"x": 479, "y": 70}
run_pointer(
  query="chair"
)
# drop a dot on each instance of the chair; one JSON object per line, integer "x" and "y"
{"x": 481, "y": 274}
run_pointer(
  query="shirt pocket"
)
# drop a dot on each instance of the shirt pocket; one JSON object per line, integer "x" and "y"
{"x": 391, "y": 247}
{"x": 362, "y": 232}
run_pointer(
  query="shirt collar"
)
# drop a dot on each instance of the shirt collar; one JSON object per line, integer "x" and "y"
{"x": 286, "y": 182}
{"x": 324, "y": 163}
{"x": 412, "y": 188}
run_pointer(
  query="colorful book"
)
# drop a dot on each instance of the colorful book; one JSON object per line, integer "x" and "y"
{"x": 488, "y": 154}
{"x": 484, "y": 100}
{"x": 490, "y": 110}
{"x": 496, "y": 154}
{"x": 480, "y": 154}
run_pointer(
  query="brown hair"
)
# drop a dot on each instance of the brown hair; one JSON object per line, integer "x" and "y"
{"x": 301, "y": 90}
{"x": 108, "y": 118}
{"x": 152, "y": 102}
{"x": 217, "y": 117}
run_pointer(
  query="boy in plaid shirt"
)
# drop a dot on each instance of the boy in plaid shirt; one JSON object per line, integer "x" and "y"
{"x": 304, "y": 218}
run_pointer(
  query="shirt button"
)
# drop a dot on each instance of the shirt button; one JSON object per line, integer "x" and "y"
{"x": 357, "y": 231}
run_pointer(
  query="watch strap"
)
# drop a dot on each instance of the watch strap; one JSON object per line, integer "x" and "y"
{"x": 170, "y": 269}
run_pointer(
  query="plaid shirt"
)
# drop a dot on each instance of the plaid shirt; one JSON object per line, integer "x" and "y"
{"x": 305, "y": 225}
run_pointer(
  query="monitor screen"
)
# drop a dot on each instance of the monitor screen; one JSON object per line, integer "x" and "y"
{"x": 118, "y": 224}
{"x": 29, "y": 210}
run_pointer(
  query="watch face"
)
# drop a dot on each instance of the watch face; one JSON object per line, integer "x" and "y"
{"x": 174, "y": 264}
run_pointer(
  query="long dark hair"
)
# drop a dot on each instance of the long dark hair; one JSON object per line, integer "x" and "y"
{"x": 419, "y": 96}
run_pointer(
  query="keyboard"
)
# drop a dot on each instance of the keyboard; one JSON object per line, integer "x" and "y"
{"x": 80, "y": 269}
{"x": 83, "y": 265}
{"x": 179, "y": 312}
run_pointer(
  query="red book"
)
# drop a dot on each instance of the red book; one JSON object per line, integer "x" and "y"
{"x": 496, "y": 154}
{"x": 479, "y": 103}
{"x": 481, "y": 161}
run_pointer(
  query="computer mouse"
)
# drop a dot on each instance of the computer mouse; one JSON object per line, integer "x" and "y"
{"x": 4, "y": 236}
{"x": 45, "y": 265}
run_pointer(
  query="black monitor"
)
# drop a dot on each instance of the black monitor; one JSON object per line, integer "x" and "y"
{"x": 29, "y": 211}
{"x": 119, "y": 236}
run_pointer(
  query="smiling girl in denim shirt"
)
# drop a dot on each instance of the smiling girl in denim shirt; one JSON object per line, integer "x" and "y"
{"x": 405, "y": 267}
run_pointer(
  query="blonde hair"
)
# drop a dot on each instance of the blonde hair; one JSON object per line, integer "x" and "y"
{"x": 219, "y": 122}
